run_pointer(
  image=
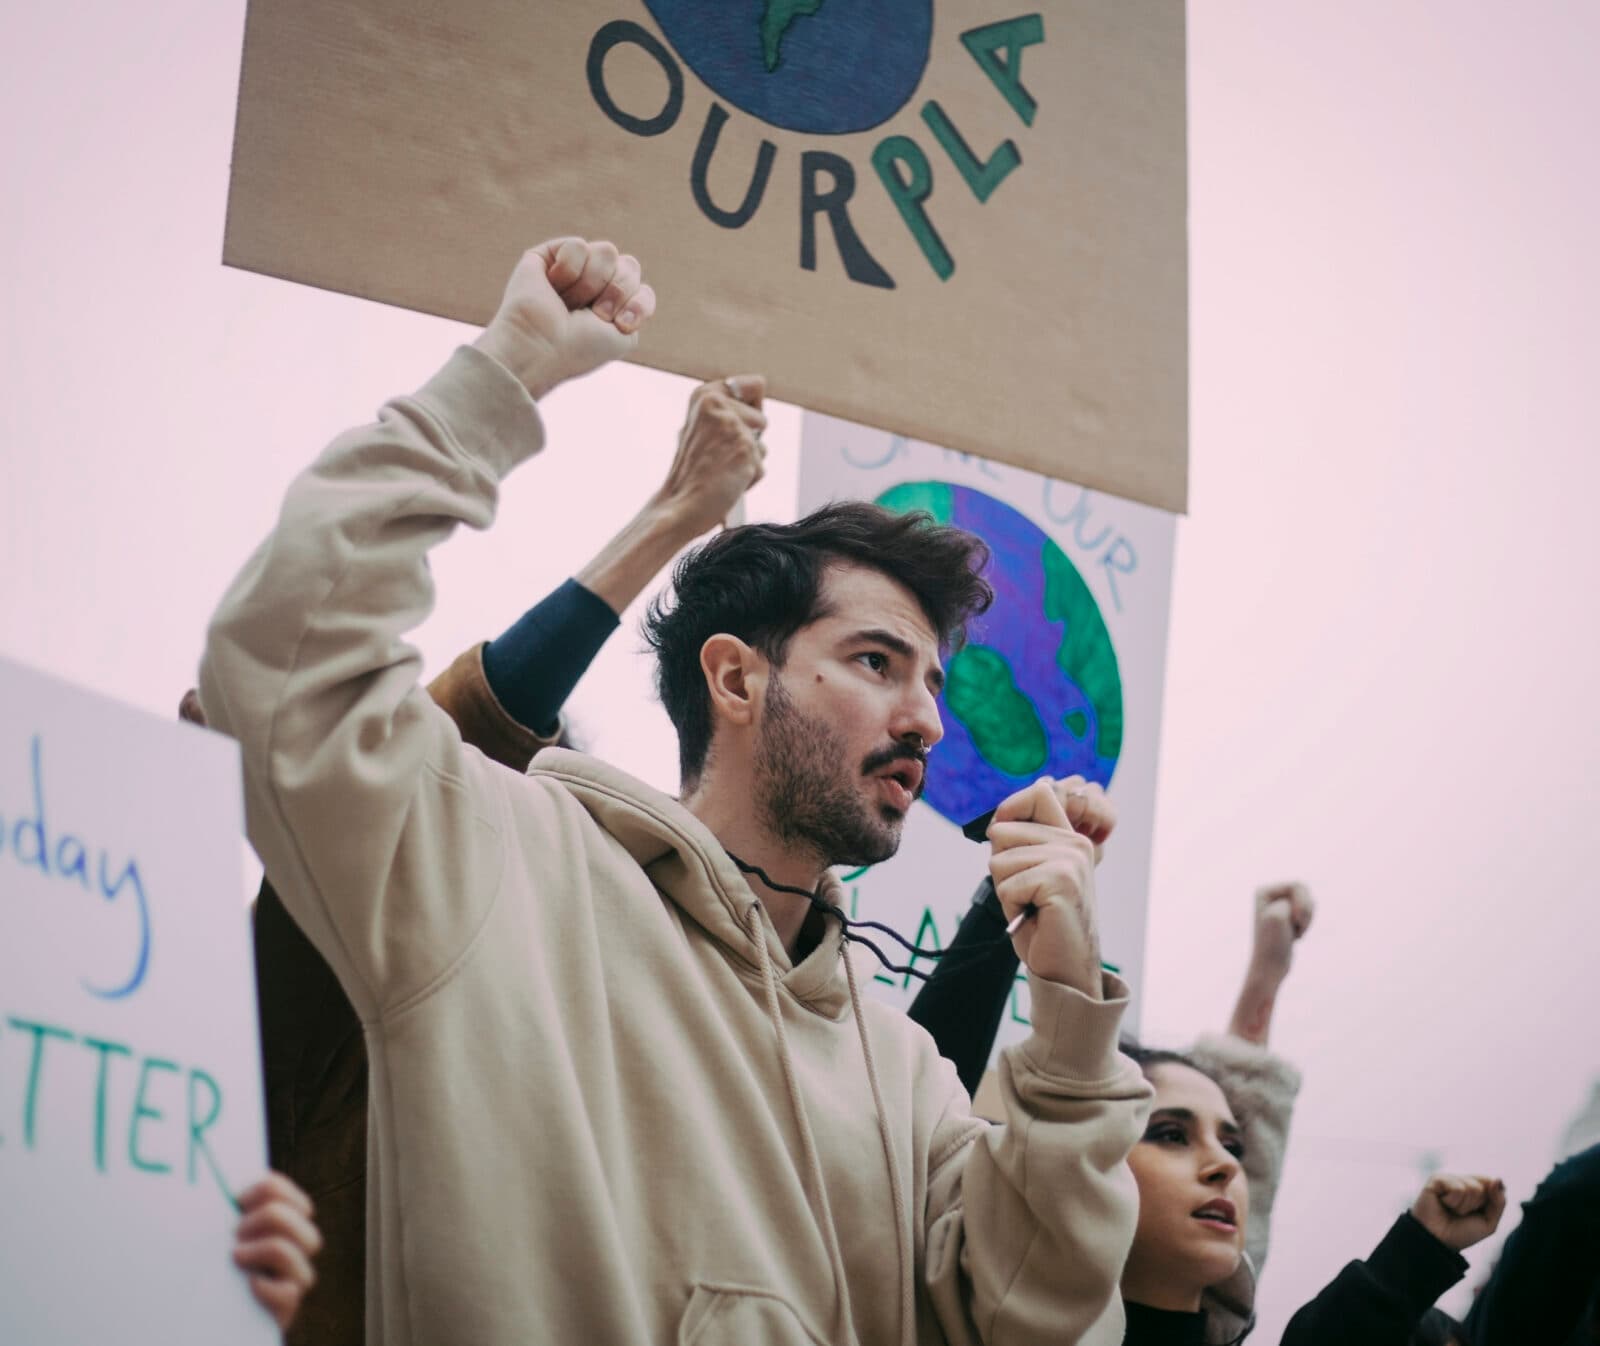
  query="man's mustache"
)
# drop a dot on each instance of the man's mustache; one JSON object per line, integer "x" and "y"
{"x": 899, "y": 752}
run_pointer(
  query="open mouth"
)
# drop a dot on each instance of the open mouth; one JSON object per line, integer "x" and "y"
{"x": 902, "y": 783}
{"x": 1219, "y": 1214}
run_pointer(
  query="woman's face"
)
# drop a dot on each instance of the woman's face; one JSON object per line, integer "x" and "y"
{"x": 1193, "y": 1197}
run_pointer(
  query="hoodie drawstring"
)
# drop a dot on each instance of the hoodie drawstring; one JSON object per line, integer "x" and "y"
{"x": 817, "y": 1192}
{"x": 908, "y": 1306}
{"x": 852, "y": 927}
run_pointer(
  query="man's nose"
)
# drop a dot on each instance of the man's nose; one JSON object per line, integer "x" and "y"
{"x": 919, "y": 719}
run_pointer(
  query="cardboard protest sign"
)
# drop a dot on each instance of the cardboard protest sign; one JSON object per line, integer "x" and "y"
{"x": 130, "y": 1068}
{"x": 1063, "y": 676}
{"x": 961, "y": 222}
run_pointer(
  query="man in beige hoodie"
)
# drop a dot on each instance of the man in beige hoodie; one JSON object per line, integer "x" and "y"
{"x": 623, "y": 1087}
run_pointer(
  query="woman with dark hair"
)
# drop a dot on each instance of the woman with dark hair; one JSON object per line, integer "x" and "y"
{"x": 1194, "y": 1210}
{"x": 1208, "y": 1164}
{"x": 964, "y": 1001}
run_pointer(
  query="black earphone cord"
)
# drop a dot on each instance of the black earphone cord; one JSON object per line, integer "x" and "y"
{"x": 850, "y": 926}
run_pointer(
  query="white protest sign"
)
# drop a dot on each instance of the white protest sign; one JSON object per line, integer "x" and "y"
{"x": 130, "y": 1068}
{"x": 1062, "y": 677}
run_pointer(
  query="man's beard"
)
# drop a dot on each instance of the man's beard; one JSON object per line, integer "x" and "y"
{"x": 804, "y": 792}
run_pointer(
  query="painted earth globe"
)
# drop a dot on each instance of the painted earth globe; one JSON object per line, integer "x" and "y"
{"x": 1036, "y": 689}
{"x": 825, "y": 67}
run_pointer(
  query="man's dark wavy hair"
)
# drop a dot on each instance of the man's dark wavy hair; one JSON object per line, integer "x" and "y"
{"x": 763, "y": 583}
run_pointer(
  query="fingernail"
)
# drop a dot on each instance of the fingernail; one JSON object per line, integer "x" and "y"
{"x": 604, "y": 309}
{"x": 627, "y": 320}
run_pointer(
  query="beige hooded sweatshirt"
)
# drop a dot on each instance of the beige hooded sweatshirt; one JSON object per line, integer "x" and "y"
{"x": 605, "y": 1106}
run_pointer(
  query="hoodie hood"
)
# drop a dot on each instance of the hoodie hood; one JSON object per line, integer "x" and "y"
{"x": 1230, "y": 1305}
{"x": 691, "y": 868}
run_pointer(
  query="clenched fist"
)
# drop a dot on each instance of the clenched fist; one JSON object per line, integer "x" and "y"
{"x": 1089, "y": 812}
{"x": 1284, "y": 912}
{"x": 1037, "y": 860}
{"x": 569, "y": 307}
{"x": 1460, "y": 1211}
{"x": 720, "y": 453}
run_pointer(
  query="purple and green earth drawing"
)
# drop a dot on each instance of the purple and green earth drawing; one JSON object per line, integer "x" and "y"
{"x": 1036, "y": 690}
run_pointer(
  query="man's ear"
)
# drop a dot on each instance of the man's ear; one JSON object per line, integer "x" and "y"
{"x": 735, "y": 676}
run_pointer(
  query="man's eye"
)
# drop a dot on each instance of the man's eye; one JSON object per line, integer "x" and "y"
{"x": 877, "y": 662}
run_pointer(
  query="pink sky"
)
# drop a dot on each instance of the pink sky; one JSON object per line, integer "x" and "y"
{"x": 1381, "y": 668}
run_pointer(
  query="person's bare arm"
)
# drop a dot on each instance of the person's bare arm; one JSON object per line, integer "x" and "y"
{"x": 720, "y": 456}
{"x": 1284, "y": 913}
{"x": 1261, "y": 1086}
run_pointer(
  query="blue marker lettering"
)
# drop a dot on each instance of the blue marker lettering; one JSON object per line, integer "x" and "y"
{"x": 1124, "y": 549}
{"x": 31, "y": 845}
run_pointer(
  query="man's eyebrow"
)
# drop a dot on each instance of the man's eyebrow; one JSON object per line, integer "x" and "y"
{"x": 902, "y": 647}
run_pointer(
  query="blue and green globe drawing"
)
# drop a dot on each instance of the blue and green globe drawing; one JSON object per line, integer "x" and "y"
{"x": 1036, "y": 690}
{"x": 825, "y": 67}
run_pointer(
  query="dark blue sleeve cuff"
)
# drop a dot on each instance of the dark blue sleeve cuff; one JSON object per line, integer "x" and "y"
{"x": 533, "y": 667}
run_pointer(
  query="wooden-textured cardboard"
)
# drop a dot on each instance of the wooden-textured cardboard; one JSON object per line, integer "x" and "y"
{"x": 944, "y": 218}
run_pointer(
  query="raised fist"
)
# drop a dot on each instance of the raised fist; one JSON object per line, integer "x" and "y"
{"x": 720, "y": 454}
{"x": 569, "y": 307}
{"x": 1037, "y": 860}
{"x": 1284, "y": 912}
{"x": 1459, "y": 1210}
{"x": 1090, "y": 813}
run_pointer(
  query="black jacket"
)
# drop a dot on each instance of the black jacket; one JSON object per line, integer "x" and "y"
{"x": 1379, "y": 1302}
{"x": 964, "y": 1000}
{"x": 1549, "y": 1269}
